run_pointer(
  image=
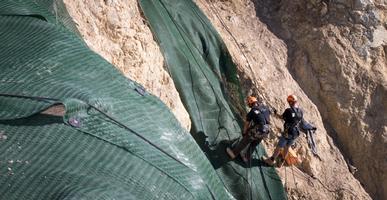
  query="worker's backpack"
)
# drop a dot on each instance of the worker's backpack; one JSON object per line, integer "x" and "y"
{"x": 260, "y": 127}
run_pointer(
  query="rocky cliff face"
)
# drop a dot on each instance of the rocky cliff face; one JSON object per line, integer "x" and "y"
{"x": 337, "y": 53}
{"x": 263, "y": 60}
{"x": 279, "y": 50}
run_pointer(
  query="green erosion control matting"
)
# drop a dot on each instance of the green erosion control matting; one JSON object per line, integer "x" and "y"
{"x": 115, "y": 140}
{"x": 206, "y": 79}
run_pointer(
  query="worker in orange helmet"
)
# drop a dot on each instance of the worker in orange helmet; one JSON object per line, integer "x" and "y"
{"x": 256, "y": 127}
{"x": 293, "y": 116}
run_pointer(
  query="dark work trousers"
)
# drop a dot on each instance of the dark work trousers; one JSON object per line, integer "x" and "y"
{"x": 243, "y": 144}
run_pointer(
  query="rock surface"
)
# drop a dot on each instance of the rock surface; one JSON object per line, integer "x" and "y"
{"x": 263, "y": 62}
{"x": 337, "y": 53}
{"x": 311, "y": 51}
{"x": 117, "y": 31}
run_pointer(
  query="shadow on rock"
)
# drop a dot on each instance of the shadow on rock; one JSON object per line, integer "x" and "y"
{"x": 217, "y": 153}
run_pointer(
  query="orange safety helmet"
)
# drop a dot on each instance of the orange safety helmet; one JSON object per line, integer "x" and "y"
{"x": 251, "y": 100}
{"x": 292, "y": 98}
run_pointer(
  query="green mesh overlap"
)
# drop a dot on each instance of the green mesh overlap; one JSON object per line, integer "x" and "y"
{"x": 115, "y": 141}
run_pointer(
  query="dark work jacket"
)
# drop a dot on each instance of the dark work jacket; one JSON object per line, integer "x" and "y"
{"x": 293, "y": 117}
{"x": 260, "y": 116}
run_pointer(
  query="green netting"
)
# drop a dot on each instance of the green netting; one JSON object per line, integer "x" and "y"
{"x": 206, "y": 79}
{"x": 115, "y": 141}
{"x": 53, "y": 11}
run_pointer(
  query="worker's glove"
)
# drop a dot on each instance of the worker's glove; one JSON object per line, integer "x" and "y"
{"x": 275, "y": 111}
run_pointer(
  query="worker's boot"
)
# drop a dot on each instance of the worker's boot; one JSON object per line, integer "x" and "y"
{"x": 280, "y": 163}
{"x": 230, "y": 153}
{"x": 245, "y": 157}
{"x": 269, "y": 161}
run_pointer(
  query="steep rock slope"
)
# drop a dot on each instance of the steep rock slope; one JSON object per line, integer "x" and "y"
{"x": 117, "y": 31}
{"x": 263, "y": 73}
{"x": 337, "y": 50}
{"x": 262, "y": 59}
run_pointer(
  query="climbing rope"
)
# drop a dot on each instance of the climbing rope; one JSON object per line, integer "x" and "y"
{"x": 250, "y": 171}
{"x": 309, "y": 179}
{"x": 286, "y": 179}
{"x": 294, "y": 178}
{"x": 215, "y": 11}
{"x": 286, "y": 186}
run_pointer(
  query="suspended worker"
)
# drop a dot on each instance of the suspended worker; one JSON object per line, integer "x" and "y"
{"x": 293, "y": 117}
{"x": 256, "y": 127}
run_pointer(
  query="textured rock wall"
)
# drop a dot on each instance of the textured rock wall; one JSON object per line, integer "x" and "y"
{"x": 116, "y": 30}
{"x": 262, "y": 60}
{"x": 337, "y": 52}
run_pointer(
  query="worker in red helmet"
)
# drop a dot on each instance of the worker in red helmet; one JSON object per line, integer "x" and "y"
{"x": 256, "y": 127}
{"x": 292, "y": 116}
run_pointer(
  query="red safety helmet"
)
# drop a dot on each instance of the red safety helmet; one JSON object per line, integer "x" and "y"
{"x": 251, "y": 100}
{"x": 292, "y": 98}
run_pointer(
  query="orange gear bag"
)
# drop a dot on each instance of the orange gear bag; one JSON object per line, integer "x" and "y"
{"x": 291, "y": 158}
